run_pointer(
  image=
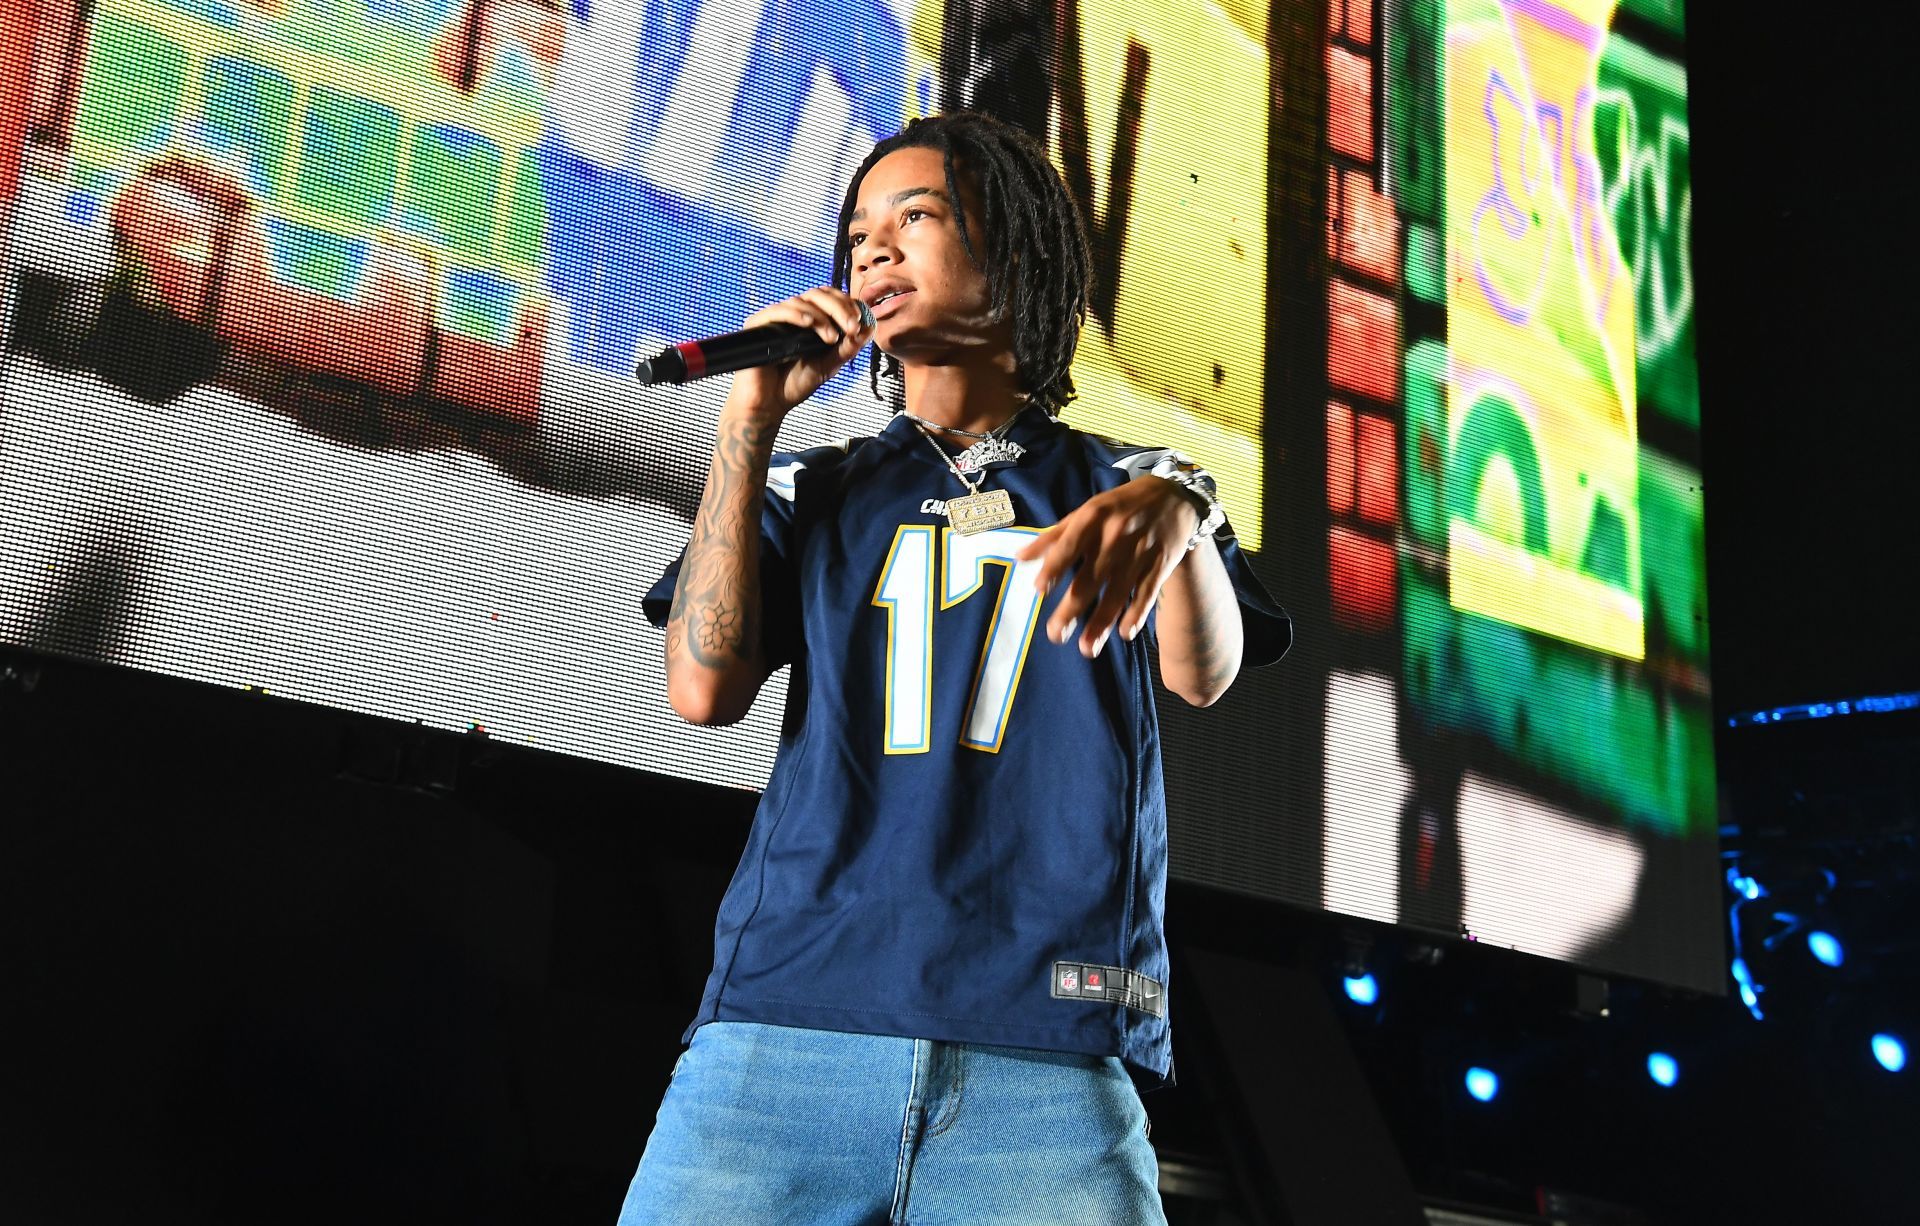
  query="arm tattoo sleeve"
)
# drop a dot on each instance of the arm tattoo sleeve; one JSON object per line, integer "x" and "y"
{"x": 716, "y": 603}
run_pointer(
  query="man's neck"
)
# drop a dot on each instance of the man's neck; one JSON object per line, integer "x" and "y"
{"x": 963, "y": 398}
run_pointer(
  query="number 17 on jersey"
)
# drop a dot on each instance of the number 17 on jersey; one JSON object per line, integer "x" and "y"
{"x": 907, "y": 591}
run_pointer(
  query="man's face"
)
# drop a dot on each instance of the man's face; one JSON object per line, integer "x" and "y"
{"x": 909, "y": 265}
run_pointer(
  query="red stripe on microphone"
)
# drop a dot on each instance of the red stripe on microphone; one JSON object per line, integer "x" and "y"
{"x": 696, "y": 360}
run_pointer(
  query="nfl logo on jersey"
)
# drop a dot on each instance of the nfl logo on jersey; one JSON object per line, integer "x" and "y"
{"x": 1069, "y": 979}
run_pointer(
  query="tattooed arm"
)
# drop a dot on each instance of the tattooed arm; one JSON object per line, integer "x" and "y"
{"x": 716, "y": 659}
{"x": 715, "y": 662}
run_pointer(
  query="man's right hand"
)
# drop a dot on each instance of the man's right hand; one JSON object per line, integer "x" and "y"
{"x": 769, "y": 393}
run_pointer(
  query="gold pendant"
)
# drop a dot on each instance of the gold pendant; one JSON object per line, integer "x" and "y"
{"x": 971, "y": 513}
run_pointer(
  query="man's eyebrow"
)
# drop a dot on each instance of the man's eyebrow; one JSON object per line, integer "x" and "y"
{"x": 901, "y": 197}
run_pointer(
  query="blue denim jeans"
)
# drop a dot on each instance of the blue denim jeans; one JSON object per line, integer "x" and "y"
{"x": 765, "y": 1124}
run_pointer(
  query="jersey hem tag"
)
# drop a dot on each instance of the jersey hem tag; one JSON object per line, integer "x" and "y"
{"x": 1114, "y": 984}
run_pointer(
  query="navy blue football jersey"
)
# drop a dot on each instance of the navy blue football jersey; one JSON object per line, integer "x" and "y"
{"x": 964, "y": 834}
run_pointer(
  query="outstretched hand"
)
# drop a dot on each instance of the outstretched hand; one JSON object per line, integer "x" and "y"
{"x": 1120, "y": 546}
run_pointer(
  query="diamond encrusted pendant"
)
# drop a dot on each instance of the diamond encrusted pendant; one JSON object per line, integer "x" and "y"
{"x": 983, "y": 512}
{"x": 988, "y": 451}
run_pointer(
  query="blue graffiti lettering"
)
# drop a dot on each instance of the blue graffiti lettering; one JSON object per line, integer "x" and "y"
{"x": 637, "y": 257}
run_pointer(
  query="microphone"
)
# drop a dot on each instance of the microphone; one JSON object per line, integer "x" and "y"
{"x": 722, "y": 355}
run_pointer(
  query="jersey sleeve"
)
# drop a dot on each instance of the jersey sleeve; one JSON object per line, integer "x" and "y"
{"x": 781, "y": 635}
{"x": 1267, "y": 628}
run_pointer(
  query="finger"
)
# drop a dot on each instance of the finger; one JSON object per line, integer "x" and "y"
{"x": 1042, "y": 541}
{"x": 1054, "y": 565}
{"x": 1058, "y": 549}
{"x": 1073, "y": 552}
{"x": 1030, "y": 560}
{"x": 799, "y": 312}
{"x": 1145, "y": 597}
{"x": 838, "y": 307}
{"x": 1074, "y": 603}
{"x": 1113, "y": 602}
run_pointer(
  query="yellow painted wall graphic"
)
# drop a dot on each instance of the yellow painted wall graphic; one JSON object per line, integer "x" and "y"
{"x": 1159, "y": 124}
{"x": 1542, "y": 472}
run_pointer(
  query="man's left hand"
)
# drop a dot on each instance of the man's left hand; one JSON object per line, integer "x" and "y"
{"x": 1120, "y": 545}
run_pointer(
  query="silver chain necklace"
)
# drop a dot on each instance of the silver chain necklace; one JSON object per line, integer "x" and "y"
{"x": 972, "y": 434}
{"x": 974, "y": 511}
{"x": 989, "y": 447}
{"x": 992, "y": 447}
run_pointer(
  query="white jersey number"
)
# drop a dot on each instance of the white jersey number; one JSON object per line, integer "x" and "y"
{"x": 906, "y": 592}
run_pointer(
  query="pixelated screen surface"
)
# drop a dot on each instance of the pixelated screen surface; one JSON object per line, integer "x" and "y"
{"x": 321, "y": 317}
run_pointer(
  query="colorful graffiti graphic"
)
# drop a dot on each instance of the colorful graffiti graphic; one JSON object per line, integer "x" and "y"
{"x": 339, "y": 188}
{"x": 1554, "y": 602}
{"x": 427, "y": 198}
{"x": 647, "y": 188}
{"x": 1643, "y": 143}
{"x": 1543, "y": 518}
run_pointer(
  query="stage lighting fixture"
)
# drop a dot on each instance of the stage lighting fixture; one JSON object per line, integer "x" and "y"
{"x": 1826, "y": 947}
{"x": 1890, "y": 1052}
{"x": 1482, "y": 1084}
{"x": 1362, "y": 989}
{"x": 1743, "y": 885}
{"x": 1664, "y": 1069}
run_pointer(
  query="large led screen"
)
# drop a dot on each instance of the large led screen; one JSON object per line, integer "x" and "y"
{"x": 321, "y": 317}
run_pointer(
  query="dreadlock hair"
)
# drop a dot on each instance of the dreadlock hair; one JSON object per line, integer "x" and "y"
{"x": 1038, "y": 264}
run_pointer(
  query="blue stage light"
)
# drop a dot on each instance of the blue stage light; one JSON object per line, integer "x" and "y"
{"x": 1890, "y": 1052}
{"x": 1664, "y": 1069}
{"x": 1826, "y": 947}
{"x": 1482, "y": 1084}
{"x": 1822, "y": 710}
{"x": 1749, "y": 995}
{"x": 1362, "y": 989}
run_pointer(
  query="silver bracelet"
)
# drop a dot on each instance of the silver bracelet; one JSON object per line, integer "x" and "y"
{"x": 1198, "y": 484}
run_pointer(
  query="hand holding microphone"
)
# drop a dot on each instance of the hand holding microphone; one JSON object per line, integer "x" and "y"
{"x": 781, "y": 357}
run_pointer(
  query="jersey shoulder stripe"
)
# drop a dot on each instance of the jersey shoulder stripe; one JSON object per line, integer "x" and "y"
{"x": 1130, "y": 458}
{"x": 784, "y": 469}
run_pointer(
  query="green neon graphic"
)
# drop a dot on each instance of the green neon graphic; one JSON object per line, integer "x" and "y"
{"x": 1494, "y": 430}
{"x": 1643, "y": 142}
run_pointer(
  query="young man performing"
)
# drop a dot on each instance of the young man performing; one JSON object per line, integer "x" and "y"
{"x": 940, "y": 966}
